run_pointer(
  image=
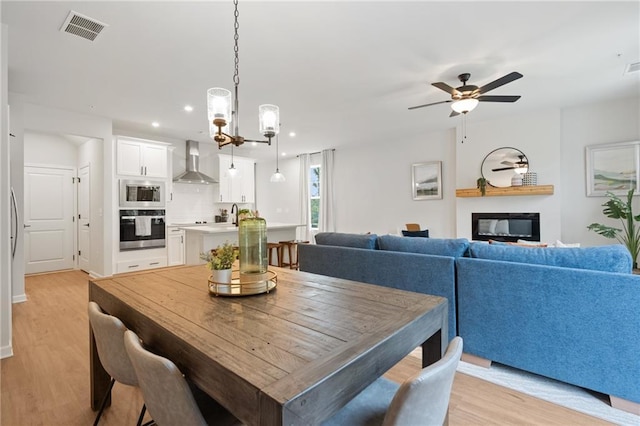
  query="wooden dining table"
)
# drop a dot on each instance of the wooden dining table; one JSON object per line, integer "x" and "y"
{"x": 292, "y": 356}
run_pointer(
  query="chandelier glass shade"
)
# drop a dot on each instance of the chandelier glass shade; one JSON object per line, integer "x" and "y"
{"x": 463, "y": 106}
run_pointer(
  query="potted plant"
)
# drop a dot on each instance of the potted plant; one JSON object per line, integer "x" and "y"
{"x": 220, "y": 262}
{"x": 629, "y": 235}
{"x": 482, "y": 185}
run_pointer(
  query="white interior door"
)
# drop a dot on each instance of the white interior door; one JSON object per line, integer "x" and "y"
{"x": 84, "y": 234}
{"x": 48, "y": 219}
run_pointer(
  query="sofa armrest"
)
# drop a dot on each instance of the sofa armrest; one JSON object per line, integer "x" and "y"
{"x": 575, "y": 325}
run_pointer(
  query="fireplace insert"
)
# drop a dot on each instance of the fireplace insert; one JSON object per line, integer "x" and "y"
{"x": 508, "y": 227}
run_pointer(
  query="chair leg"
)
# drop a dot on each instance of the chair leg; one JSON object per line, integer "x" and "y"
{"x": 144, "y": 409}
{"x": 104, "y": 402}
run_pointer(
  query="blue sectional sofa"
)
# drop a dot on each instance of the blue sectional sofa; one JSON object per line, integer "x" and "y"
{"x": 572, "y": 314}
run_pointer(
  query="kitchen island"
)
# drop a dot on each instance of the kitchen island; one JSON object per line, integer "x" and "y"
{"x": 201, "y": 239}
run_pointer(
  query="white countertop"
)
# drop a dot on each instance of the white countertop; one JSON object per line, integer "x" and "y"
{"x": 227, "y": 228}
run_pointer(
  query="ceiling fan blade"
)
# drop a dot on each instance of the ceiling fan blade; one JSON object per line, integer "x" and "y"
{"x": 500, "y": 82}
{"x": 444, "y": 86}
{"x": 454, "y": 113}
{"x": 503, "y": 168}
{"x": 433, "y": 103}
{"x": 504, "y": 98}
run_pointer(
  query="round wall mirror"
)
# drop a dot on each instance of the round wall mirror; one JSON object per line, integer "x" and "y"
{"x": 499, "y": 166}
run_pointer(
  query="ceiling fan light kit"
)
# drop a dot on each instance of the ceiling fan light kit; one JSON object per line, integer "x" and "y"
{"x": 220, "y": 113}
{"x": 464, "y": 106}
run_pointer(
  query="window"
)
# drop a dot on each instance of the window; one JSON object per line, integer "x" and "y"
{"x": 314, "y": 195}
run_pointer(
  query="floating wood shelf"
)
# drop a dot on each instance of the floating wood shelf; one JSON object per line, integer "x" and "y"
{"x": 508, "y": 191}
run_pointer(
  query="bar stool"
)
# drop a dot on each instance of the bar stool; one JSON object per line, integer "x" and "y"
{"x": 292, "y": 251}
{"x": 278, "y": 248}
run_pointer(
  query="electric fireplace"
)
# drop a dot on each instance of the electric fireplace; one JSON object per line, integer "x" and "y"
{"x": 508, "y": 227}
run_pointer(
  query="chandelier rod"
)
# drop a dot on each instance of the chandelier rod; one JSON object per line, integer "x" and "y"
{"x": 236, "y": 75}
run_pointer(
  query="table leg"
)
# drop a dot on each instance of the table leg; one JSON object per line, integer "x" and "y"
{"x": 100, "y": 379}
{"x": 432, "y": 349}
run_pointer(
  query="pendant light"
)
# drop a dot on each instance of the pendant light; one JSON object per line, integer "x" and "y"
{"x": 220, "y": 114}
{"x": 277, "y": 176}
{"x": 232, "y": 169}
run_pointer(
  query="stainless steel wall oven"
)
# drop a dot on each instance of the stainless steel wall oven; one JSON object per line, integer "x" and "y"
{"x": 142, "y": 229}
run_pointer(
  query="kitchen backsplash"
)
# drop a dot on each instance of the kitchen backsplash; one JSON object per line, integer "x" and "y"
{"x": 193, "y": 202}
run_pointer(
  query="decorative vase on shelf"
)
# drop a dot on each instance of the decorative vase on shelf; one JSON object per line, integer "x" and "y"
{"x": 530, "y": 179}
{"x": 252, "y": 236}
{"x": 516, "y": 180}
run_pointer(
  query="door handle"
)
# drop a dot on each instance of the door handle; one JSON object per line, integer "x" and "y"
{"x": 86, "y": 224}
{"x": 27, "y": 226}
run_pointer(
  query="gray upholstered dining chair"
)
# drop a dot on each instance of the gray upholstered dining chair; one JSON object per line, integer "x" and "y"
{"x": 171, "y": 400}
{"x": 109, "y": 333}
{"x": 421, "y": 400}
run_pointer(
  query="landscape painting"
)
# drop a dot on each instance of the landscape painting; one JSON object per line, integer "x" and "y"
{"x": 426, "y": 180}
{"x": 612, "y": 168}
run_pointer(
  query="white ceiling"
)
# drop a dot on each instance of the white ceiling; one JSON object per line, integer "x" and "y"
{"x": 342, "y": 72}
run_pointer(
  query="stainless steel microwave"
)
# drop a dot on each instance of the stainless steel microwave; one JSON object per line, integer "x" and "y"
{"x": 141, "y": 193}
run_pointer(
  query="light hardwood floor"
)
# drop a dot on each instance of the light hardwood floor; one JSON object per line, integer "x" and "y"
{"x": 46, "y": 382}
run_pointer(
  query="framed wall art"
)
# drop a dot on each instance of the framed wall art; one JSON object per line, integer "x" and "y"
{"x": 426, "y": 180}
{"x": 613, "y": 167}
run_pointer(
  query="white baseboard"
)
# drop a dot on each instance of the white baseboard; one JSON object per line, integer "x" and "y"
{"x": 19, "y": 298}
{"x": 93, "y": 274}
{"x": 6, "y": 351}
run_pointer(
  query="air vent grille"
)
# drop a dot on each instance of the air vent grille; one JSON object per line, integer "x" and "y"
{"x": 635, "y": 67}
{"x": 82, "y": 26}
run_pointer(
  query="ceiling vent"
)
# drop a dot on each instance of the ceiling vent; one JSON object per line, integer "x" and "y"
{"x": 635, "y": 67}
{"x": 82, "y": 26}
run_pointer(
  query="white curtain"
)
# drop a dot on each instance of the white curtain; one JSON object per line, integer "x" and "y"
{"x": 305, "y": 219}
{"x": 327, "y": 213}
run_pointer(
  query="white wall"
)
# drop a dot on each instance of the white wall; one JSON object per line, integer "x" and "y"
{"x": 44, "y": 149}
{"x": 537, "y": 135}
{"x": 606, "y": 122}
{"x": 278, "y": 202}
{"x": 5, "y": 226}
{"x": 373, "y": 186}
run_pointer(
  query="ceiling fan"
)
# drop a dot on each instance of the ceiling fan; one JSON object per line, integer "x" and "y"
{"x": 466, "y": 97}
{"x": 520, "y": 164}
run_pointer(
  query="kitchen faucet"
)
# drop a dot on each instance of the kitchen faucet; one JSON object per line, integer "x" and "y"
{"x": 235, "y": 206}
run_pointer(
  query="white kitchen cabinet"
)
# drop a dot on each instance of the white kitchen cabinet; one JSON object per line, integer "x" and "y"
{"x": 240, "y": 188}
{"x": 141, "y": 264}
{"x": 137, "y": 158}
{"x": 175, "y": 246}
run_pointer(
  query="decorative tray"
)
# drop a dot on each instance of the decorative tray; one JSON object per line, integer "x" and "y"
{"x": 245, "y": 285}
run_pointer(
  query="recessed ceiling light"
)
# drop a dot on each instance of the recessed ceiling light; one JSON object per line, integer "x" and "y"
{"x": 188, "y": 108}
{"x": 155, "y": 124}
{"x": 254, "y": 144}
{"x": 284, "y": 154}
{"x": 292, "y": 134}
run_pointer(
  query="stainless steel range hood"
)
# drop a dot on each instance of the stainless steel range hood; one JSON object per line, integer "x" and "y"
{"x": 192, "y": 174}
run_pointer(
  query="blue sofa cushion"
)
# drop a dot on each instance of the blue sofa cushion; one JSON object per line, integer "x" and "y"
{"x": 611, "y": 258}
{"x": 364, "y": 241}
{"x": 434, "y": 246}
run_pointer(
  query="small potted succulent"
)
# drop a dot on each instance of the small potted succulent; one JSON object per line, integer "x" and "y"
{"x": 220, "y": 262}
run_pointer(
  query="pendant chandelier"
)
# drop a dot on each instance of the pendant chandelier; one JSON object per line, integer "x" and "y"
{"x": 277, "y": 176}
{"x": 219, "y": 108}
